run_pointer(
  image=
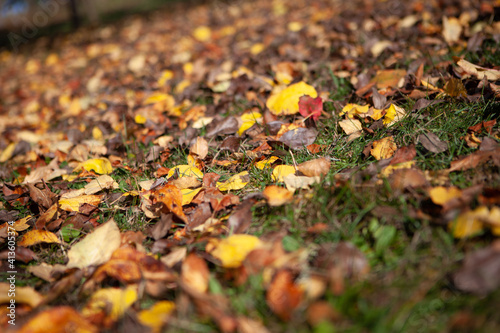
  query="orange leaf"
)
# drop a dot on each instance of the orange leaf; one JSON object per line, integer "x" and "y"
{"x": 283, "y": 295}
{"x": 34, "y": 237}
{"x": 57, "y": 320}
{"x": 171, "y": 197}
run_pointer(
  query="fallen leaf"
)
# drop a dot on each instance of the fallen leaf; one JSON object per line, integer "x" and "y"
{"x": 57, "y": 320}
{"x": 99, "y": 165}
{"x": 452, "y": 29}
{"x": 440, "y": 195}
{"x": 286, "y": 102}
{"x": 200, "y": 148}
{"x": 299, "y": 137}
{"x": 266, "y": 163}
{"x": 478, "y": 71}
{"x": 34, "y": 237}
{"x": 293, "y": 182}
{"x": 277, "y": 196}
{"x": 384, "y": 148}
{"x": 171, "y": 197}
{"x": 107, "y": 305}
{"x": 469, "y": 223}
{"x": 195, "y": 273}
{"x": 310, "y": 107}
{"x": 354, "y": 109}
{"x": 351, "y": 126}
{"x": 157, "y": 315}
{"x": 73, "y": 204}
{"x": 235, "y": 182}
{"x": 189, "y": 194}
{"x": 318, "y": 167}
{"x": 233, "y": 250}
{"x": 393, "y": 114}
{"x": 23, "y": 295}
{"x": 185, "y": 171}
{"x": 432, "y": 143}
{"x": 281, "y": 171}
{"x": 283, "y": 295}
{"x": 480, "y": 270}
{"x": 96, "y": 248}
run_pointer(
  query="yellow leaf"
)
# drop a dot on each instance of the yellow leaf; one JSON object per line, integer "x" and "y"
{"x": 96, "y": 248}
{"x": 99, "y": 165}
{"x": 19, "y": 225}
{"x": 388, "y": 170}
{"x": 440, "y": 195}
{"x": 286, "y": 102}
{"x": 384, "y": 148}
{"x": 249, "y": 119}
{"x": 73, "y": 204}
{"x": 189, "y": 194}
{"x": 281, "y": 171}
{"x": 354, "y": 109}
{"x": 166, "y": 76}
{"x": 469, "y": 223}
{"x": 257, "y": 48}
{"x": 181, "y": 86}
{"x": 236, "y": 182}
{"x": 59, "y": 319}
{"x": 185, "y": 171}
{"x": 233, "y": 250}
{"x": 111, "y": 303}
{"x": 202, "y": 33}
{"x": 34, "y": 237}
{"x": 393, "y": 115}
{"x": 157, "y": 315}
{"x": 7, "y": 152}
{"x": 160, "y": 97}
{"x": 140, "y": 119}
{"x": 97, "y": 133}
{"x": 266, "y": 163}
{"x": 277, "y": 196}
{"x": 294, "y": 26}
{"x": 350, "y": 126}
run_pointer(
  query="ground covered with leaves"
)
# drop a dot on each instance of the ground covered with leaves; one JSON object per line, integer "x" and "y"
{"x": 255, "y": 166}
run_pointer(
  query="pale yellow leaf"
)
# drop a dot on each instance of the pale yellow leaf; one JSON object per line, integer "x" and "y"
{"x": 96, "y": 248}
{"x": 351, "y": 126}
{"x": 235, "y": 182}
{"x": 281, "y": 171}
{"x": 393, "y": 115}
{"x": 185, "y": 171}
{"x": 73, "y": 204}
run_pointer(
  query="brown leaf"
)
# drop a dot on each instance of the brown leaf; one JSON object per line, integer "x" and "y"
{"x": 241, "y": 218}
{"x": 299, "y": 137}
{"x": 200, "y": 148}
{"x": 480, "y": 270}
{"x": 473, "y": 160}
{"x": 404, "y": 154}
{"x": 161, "y": 228}
{"x": 46, "y": 217}
{"x": 432, "y": 143}
{"x": 283, "y": 295}
{"x": 22, "y": 254}
{"x": 195, "y": 273}
{"x": 57, "y": 320}
{"x": 315, "y": 168}
{"x": 231, "y": 143}
{"x": 43, "y": 197}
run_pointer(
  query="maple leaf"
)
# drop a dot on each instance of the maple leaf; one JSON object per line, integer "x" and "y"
{"x": 310, "y": 107}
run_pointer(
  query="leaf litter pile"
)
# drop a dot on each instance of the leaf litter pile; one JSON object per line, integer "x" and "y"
{"x": 256, "y": 166}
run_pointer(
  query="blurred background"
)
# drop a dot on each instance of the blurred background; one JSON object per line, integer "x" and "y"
{"x": 18, "y": 14}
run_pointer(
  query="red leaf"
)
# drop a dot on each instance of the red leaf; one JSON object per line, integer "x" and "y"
{"x": 310, "y": 107}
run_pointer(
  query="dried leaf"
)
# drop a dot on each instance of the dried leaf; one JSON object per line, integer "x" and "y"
{"x": 96, "y": 248}
{"x": 200, "y": 148}
{"x": 107, "y": 305}
{"x": 195, "y": 273}
{"x": 452, "y": 29}
{"x": 281, "y": 171}
{"x": 441, "y": 195}
{"x": 171, "y": 197}
{"x": 235, "y": 182}
{"x": 315, "y": 168}
{"x": 23, "y": 295}
{"x": 34, "y": 237}
{"x": 57, "y": 320}
{"x": 283, "y": 295}
{"x": 99, "y": 165}
{"x": 299, "y": 137}
{"x": 185, "y": 171}
{"x": 73, "y": 204}
{"x": 350, "y": 126}
{"x": 478, "y": 71}
{"x": 432, "y": 143}
{"x": 157, "y": 315}
{"x": 384, "y": 148}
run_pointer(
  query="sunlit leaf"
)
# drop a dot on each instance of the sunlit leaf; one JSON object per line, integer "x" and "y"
{"x": 110, "y": 303}
{"x": 440, "y": 195}
{"x": 233, "y": 250}
{"x": 96, "y": 248}
{"x": 469, "y": 223}
{"x": 185, "y": 171}
{"x": 350, "y": 126}
{"x": 73, "y": 204}
{"x": 202, "y": 33}
{"x": 266, "y": 163}
{"x": 171, "y": 197}
{"x": 277, "y": 196}
{"x": 235, "y": 182}
{"x": 189, "y": 194}
{"x": 157, "y": 315}
{"x": 58, "y": 320}
{"x": 34, "y": 237}
{"x": 393, "y": 115}
{"x": 281, "y": 171}
{"x": 384, "y": 148}
{"x": 99, "y": 165}
{"x": 286, "y": 102}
